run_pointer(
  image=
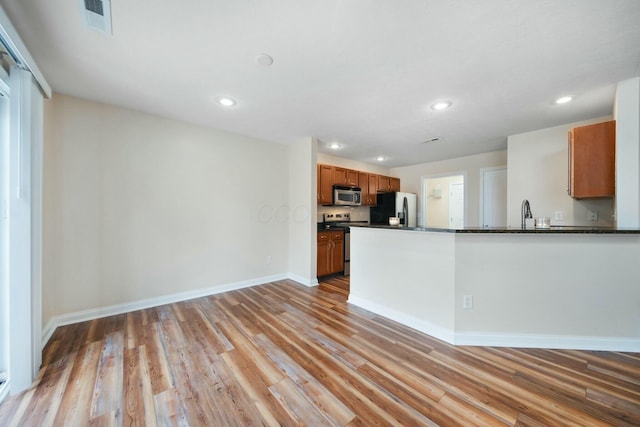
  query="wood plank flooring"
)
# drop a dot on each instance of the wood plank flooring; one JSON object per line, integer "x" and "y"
{"x": 283, "y": 354}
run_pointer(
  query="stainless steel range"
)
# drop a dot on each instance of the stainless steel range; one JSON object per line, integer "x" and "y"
{"x": 342, "y": 221}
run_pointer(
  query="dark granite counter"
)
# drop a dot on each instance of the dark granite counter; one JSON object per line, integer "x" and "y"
{"x": 510, "y": 230}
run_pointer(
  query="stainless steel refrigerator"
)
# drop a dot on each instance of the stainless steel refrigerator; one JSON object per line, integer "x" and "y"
{"x": 402, "y": 205}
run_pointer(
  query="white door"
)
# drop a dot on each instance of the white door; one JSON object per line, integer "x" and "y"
{"x": 494, "y": 198}
{"x": 456, "y": 205}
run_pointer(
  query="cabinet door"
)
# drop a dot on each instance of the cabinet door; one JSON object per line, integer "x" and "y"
{"x": 592, "y": 160}
{"x": 363, "y": 179}
{"x": 337, "y": 257}
{"x": 340, "y": 176}
{"x": 352, "y": 178}
{"x": 373, "y": 189}
{"x": 384, "y": 183}
{"x": 395, "y": 184}
{"x": 325, "y": 176}
{"x": 324, "y": 254}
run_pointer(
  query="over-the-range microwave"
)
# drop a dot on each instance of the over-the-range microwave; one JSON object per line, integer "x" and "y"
{"x": 347, "y": 196}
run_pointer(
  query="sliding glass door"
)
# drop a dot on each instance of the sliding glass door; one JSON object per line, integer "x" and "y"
{"x": 4, "y": 234}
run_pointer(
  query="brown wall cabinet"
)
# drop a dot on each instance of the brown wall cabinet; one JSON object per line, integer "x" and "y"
{"x": 325, "y": 184}
{"x": 370, "y": 183}
{"x": 395, "y": 184}
{"x": 592, "y": 161}
{"x": 330, "y": 252}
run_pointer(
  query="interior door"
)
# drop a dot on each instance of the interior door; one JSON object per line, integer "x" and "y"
{"x": 456, "y": 206}
{"x": 494, "y": 198}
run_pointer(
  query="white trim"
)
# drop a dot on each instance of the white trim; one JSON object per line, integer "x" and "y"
{"x": 563, "y": 342}
{"x": 96, "y": 313}
{"x": 304, "y": 281}
{"x": 4, "y": 390}
{"x": 428, "y": 328}
{"x": 19, "y": 50}
{"x": 4, "y": 82}
{"x": 37, "y": 167}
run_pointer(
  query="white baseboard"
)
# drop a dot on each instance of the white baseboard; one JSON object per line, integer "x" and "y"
{"x": 96, "y": 313}
{"x": 428, "y": 328}
{"x": 484, "y": 339}
{"x": 304, "y": 281}
{"x": 563, "y": 342}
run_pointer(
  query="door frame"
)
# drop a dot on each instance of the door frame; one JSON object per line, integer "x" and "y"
{"x": 422, "y": 211}
{"x": 451, "y": 186}
{"x": 481, "y": 191}
{"x": 4, "y": 227}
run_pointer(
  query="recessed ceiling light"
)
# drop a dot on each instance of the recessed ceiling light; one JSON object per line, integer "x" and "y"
{"x": 227, "y": 102}
{"x": 441, "y": 105}
{"x": 380, "y": 159}
{"x": 564, "y": 99}
{"x": 334, "y": 146}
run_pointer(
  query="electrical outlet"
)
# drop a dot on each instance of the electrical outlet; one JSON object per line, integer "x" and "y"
{"x": 559, "y": 216}
{"x": 467, "y": 302}
{"x": 269, "y": 259}
{"x": 592, "y": 215}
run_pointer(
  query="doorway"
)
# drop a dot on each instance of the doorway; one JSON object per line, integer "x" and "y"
{"x": 443, "y": 204}
{"x": 493, "y": 197}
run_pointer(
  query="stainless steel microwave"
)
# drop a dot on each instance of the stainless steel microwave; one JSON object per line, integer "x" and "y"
{"x": 347, "y": 196}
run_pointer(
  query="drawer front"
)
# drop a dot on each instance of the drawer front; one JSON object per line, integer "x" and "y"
{"x": 324, "y": 236}
{"x": 337, "y": 235}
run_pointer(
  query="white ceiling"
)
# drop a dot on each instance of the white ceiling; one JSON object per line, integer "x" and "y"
{"x": 362, "y": 73}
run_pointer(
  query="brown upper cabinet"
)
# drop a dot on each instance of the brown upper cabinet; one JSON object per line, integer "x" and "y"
{"x": 370, "y": 183}
{"x": 343, "y": 176}
{"x": 384, "y": 183}
{"x": 325, "y": 184}
{"x": 395, "y": 184}
{"x": 592, "y": 161}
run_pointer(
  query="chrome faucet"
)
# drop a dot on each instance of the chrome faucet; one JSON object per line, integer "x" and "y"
{"x": 525, "y": 212}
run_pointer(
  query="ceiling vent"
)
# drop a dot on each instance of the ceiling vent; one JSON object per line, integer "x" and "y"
{"x": 96, "y": 14}
{"x": 434, "y": 139}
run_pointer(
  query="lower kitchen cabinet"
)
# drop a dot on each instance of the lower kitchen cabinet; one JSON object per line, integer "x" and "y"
{"x": 330, "y": 252}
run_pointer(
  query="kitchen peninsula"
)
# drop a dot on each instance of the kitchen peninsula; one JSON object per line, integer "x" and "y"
{"x": 565, "y": 287}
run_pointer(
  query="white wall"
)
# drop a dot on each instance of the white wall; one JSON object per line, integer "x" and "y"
{"x": 549, "y": 290}
{"x": 411, "y": 179}
{"x": 302, "y": 221}
{"x": 407, "y": 276}
{"x": 327, "y": 159}
{"x": 627, "y": 114}
{"x": 538, "y": 172}
{"x": 137, "y": 206}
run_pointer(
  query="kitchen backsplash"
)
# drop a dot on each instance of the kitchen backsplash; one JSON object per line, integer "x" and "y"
{"x": 356, "y": 213}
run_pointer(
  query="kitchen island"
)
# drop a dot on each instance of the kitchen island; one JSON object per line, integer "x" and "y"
{"x": 565, "y": 287}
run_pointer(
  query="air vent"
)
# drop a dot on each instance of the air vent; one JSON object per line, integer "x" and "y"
{"x": 434, "y": 139}
{"x": 96, "y": 14}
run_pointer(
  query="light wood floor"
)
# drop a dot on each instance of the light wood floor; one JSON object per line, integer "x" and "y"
{"x": 282, "y": 354}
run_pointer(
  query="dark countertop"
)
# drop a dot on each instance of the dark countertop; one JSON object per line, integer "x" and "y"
{"x": 327, "y": 226}
{"x": 509, "y": 230}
